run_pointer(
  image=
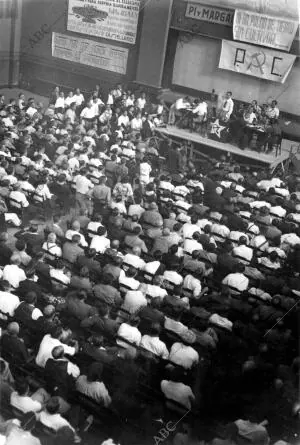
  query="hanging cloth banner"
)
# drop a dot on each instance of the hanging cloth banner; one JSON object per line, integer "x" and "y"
{"x": 256, "y": 61}
{"x": 265, "y": 30}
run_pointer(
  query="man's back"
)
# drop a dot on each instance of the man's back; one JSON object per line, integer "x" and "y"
{"x": 71, "y": 251}
{"x": 13, "y": 348}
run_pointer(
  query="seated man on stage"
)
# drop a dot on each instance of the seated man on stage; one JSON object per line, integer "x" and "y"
{"x": 181, "y": 104}
{"x": 200, "y": 117}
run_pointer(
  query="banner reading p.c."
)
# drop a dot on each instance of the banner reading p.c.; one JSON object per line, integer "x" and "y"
{"x": 256, "y": 61}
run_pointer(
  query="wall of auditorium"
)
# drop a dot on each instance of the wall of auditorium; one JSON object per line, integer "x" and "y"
{"x": 194, "y": 48}
{"x": 10, "y": 27}
{"x": 196, "y": 68}
{"x": 40, "y": 71}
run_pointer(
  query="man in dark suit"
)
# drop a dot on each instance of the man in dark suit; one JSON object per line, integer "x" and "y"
{"x": 32, "y": 238}
{"x": 61, "y": 372}
{"x": 6, "y": 252}
{"x": 12, "y": 346}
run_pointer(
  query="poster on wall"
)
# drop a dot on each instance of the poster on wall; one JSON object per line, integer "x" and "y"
{"x": 256, "y": 61}
{"x": 109, "y": 19}
{"x": 264, "y": 30}
{"x": 88, "y": 52}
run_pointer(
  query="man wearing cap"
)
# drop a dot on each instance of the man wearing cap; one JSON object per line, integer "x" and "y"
{"x": 12, "y": 347}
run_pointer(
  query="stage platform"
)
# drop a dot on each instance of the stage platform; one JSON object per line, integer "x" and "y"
{"x": 209, "y": 147}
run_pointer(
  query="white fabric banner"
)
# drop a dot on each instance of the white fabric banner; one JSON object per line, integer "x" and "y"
{"x": 265, "y": 30}
{"x": 110, "y": 19}
{"x": 256, "y": 61}
{"x": 89, "y": 52}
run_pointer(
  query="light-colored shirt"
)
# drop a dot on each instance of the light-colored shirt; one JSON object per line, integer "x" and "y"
{"x": 236, "y": 280}
{"x": 134, "y": 261}
{"x": 14, "y": 275}
{"x": 155, "y": 345}
{"x": 24, "y": 403}
{"x": 54, "y": 421}
{"x": 183, "y": 355}
{"x": 178, "y": 391}
{"x": 193, "y": 284}
{"x": 100, "y": 243}
{"x": 8, "y": 303}
{"x": 95, "y": 390}
{"x": 83, "y": 185}
{"x": 129, "y": 333}
{"x": 45, "y": 349}
{"x": 134, "y": 300}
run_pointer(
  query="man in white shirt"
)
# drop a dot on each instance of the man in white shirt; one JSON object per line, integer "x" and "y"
{"x": 173, "y": 277}
{"x": 242, "y": 251}
{"x": 83, "y": 188}
{"x": 21, "y": 400}
{"x": 199, "y": 114}
{"x": 188, "y": 229}
{"x": 249, "y": 116}
{"x": 153, "y": 344}
{"x": 179, "y": 392}
{"x": 91, "y": 386}
{"x": 236, "y": 282}
{"x": 137, "y": 123}
{"x": 76, "y": 231}
{"x": 190, "y": 245}
{"x": 127, "y": 280}
{"x": 123, "y": 120}
{"x": 60, "y": 103}
{"x": 129, "y": 331}
{"x": 100, "y": 242}
{"x": 227, "y": 107}
{"x": 69, "y": 99}
{"x": 18, "y": 198}
{"x": 13, "y": 273}
{"x": 51, "y": 418}
{"x": 141, "y": 101}
{"x": 133, "y": 259}
{"x": 79, "y": 98}
{"x": 8, "y": 301}
{"x": 273, "y": 111}
{"x": 134, "y": 300}
{"x": 183, "y": 355}
{"x": 49, "y": 342}
{"x": 145, "y": 170}
{"x": 193, "y": 284}
{"x": 88, "y": 113}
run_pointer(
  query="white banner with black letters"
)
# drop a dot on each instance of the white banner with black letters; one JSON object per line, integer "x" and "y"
{"x": 265, "y": 30}
{"x": 256, "y": 61}
{"x": 88, "y": 52}
{"x": 109, "y": 19}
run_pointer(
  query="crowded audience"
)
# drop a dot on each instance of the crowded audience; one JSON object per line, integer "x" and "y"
{"x": 132, "y": 293}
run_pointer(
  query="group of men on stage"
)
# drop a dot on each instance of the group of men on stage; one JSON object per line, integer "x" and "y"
{"x": 249, "y": 126}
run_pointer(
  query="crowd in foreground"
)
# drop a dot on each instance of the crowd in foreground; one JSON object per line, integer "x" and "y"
{"x": 134, "y": 293}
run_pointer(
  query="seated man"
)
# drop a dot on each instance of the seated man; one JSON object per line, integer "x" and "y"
{"x": 21, "y": 399}
{"x": 12, "y": 346}
{"x": 92, "y": 386}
